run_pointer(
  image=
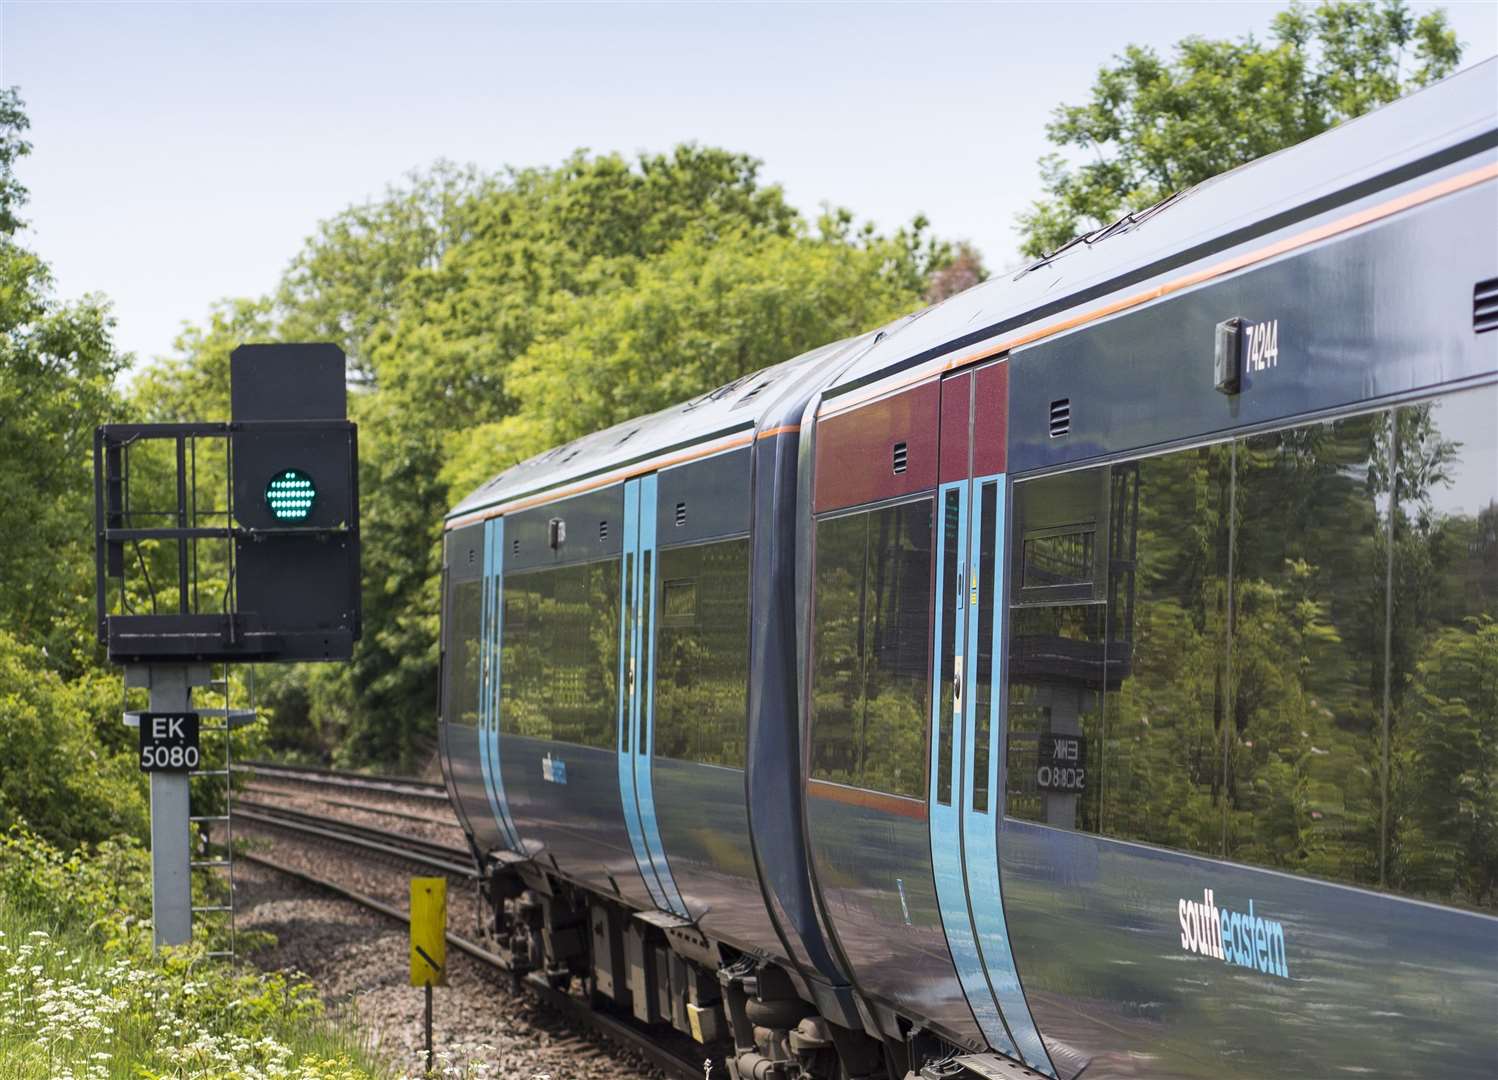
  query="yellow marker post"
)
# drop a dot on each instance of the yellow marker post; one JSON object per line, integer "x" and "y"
{"x": 428, "y": 931}
{"x": 428, "y": 942}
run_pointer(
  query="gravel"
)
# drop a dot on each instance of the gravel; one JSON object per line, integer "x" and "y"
{"x": 411, "y": 815}
{"x": 358, "y": 961}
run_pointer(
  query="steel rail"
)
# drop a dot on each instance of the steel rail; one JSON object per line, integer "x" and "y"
{"x": 430, "y": 853}
{"x": 313, "y": 774}
{"x": 424, "y": 819}
{"x": 613, "y": 1028}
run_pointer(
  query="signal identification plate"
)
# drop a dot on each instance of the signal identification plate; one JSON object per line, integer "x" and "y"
{"x": 169, "y": 741}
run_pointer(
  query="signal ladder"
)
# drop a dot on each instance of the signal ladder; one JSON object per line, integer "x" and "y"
{"x": 221, "y": 721}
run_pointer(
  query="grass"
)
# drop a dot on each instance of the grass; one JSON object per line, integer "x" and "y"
{"x": 82, "y": 994}
{"x": 70, "y": 1009}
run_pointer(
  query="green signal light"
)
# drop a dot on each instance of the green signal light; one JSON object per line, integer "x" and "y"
{"x": 290, "y": 495}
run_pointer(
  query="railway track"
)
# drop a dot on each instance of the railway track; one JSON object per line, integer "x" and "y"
{"x": 341, "y": 778}
{"x": 444, "y": 858}
{"x": 675, "y": 1057}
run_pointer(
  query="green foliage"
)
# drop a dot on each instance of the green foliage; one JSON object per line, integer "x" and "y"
{"x": 1155, "y": 126}
{"x": 491, "y": 316}
{"x": 345, "y": 285}
{"x": 1447, "y": 775}
{"x": 194, "y": 384}
{"x": 704, "y": 312}
{"x": 68, "y": 773}
{"x": 99, "y": 892}
{"x": 57, "y": 370}
{"x": 13, "y": 123}
{"x": 83, "y": 995}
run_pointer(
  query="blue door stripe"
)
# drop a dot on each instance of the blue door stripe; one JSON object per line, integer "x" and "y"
{"x": 645, "y": 680}
{"x": 946, "y": 843}
{"x": 628, "y": 690}
{"x": 979, "y": 828}
{"x": 489, "y": 684}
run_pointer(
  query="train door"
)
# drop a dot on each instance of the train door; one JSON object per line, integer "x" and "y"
{"x": 489, "y": 675}
{"x": 636, "y": 734}
{"x": 965, "y": 756}
{"x": 947, "y": 751}
{"x": 981, "y": 758}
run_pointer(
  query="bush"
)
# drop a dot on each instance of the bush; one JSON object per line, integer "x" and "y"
{"x": 83, "y": 995}
{"x": 60, "y": 778}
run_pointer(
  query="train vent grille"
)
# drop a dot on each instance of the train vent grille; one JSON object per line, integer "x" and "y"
{"x": 515, "y": 546}
{"x": 1060, "y": 417}
{"x": 681, "y": 514}
{"x": 472, "y": 556}
{"x": 1485, "y": 305}
{"x": 901, "y": 458}
{"x": 603, "y": 532}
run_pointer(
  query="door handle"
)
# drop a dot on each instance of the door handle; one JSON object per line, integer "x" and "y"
{"x": 957, "y": 681}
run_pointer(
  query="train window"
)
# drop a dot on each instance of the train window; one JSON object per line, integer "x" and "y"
{"x": 1056, "y": 661}
{"x": 1294, "y": 660}
{"x": 1303, "y": 743}
{"x": 988, "y": 503}
{"x": 1443, "y": 709}
{"x": 871, "y": 689}
{"x": 1167, "y": 691}
{"x": 837, "y": 682}
{"x": 460, "y": 696}
{"x": 1058, "y": 557}
{"x": 1056, "y": 554}
{"x": 561, "y": 654}
{"x": 951, "y": 606}
{"x": 678, "y": 602}
{"x": 647, "y": 587}
{"x": 702, "y": 653}
{"x": 627, "y": 645}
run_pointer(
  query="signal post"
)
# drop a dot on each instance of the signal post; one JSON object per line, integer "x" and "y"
{"x": 282, "y": 582}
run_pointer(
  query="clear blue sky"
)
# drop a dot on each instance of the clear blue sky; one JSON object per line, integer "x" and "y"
{"x": 183, "y": 152}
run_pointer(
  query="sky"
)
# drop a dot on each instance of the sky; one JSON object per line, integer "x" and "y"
{"x": 184, "y": 152}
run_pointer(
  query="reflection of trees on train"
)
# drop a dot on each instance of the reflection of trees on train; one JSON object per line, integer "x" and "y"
{"x": 702, "y": 653}
{"x": 871, "y": 689}
{"x": 1265, "y": 741}
{"x": 560, "y": 659}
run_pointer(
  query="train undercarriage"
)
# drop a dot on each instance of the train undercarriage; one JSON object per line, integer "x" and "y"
{"x": 662, "y": 972}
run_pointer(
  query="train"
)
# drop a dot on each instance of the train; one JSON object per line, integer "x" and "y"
{"x": 1094, "y": 674}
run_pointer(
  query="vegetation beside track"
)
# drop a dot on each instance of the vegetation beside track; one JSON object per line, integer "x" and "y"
{"x": 83, "y": 996}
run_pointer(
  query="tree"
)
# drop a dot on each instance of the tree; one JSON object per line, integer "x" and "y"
{"x": 1155, "y": 127}
{"x": 60, "y": 736}
{"x": 60, "y": 778}
{"x": 345, "y": 284}
{"x": 470, "y": 303}
{"x": 704, "y": 313}
{"x": 578, "y": 296}
{"x": 57, "y": 371}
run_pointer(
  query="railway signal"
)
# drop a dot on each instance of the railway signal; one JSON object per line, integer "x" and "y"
{"x": 251, "y": 526}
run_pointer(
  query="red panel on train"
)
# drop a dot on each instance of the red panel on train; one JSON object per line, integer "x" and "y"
{"x": 878, "y": 451}
{"x": 956, "y": 393}
{"x": 991, "y": 420}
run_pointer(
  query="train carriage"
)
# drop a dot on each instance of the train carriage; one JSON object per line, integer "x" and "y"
{"x": 1091, "y": 673}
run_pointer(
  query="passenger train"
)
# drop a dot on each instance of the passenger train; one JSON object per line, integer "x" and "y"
{"x": 1094, "y": 674}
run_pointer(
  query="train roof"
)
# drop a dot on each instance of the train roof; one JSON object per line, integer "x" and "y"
{"x": 1434, "y": 127}
{"x": 1437, "y": 126}
{"x": 731, "y": 413}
